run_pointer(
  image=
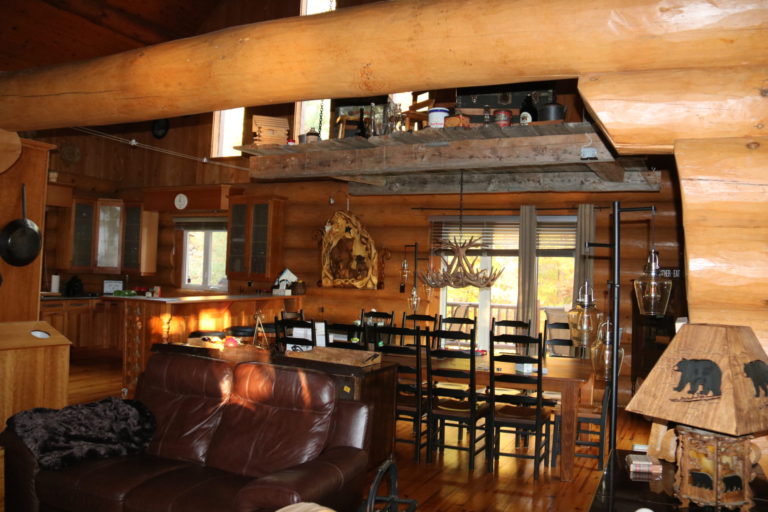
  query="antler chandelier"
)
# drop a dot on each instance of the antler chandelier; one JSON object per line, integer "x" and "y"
{"x": 459, "y": 270}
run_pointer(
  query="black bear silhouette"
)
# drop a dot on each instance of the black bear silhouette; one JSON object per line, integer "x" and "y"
{"x": 757, "y": 370}
{"x": 703, "y": 375}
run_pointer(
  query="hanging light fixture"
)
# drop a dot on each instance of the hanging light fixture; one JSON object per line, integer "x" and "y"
{"x": 414, "y": 300}
{"x": 460, "y": 270}
{"x": 652, "y": 289}
{"x": 404, "y": 270}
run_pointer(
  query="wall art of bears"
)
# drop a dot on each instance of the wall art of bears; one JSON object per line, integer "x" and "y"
{"x": 703, "y": 375}
{"x": 757, "y": 370}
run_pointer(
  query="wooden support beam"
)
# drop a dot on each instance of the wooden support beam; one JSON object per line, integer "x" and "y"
{"x": 409, "y": 158}
{"x": 376, "y": 181}
{"x": 609, "y": 171}
{"x": 507, "y": 182}
{"x": 335, "y": 55}
{"x": 645, "y": 112}
{"x": 724, "y": 188}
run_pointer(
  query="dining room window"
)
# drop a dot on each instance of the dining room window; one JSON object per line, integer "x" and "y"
{"x": 555, "y": 251}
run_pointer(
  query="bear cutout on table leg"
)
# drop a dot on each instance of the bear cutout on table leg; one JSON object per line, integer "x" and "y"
{"x": 703, "y": 480}
{"x": 757, "y": 370}
{"x": 699, "y": 373}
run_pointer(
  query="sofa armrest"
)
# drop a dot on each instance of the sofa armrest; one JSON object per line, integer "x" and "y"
{"x": 335, "y": 479}
{"x": 350, "y": 426}
{"x": 21, "y": 470}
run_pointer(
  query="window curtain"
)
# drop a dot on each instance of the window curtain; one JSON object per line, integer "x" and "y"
{"x": 527, "y": 276}
{"x": 585, "y": 232}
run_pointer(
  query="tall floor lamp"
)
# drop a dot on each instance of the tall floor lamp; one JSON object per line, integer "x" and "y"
{"x": 615, "y": 285}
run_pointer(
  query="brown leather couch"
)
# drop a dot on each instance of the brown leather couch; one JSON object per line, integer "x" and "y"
{"x": 246, "y": 437}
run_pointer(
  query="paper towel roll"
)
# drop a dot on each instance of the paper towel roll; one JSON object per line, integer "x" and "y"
{"x": 55, "y": 281}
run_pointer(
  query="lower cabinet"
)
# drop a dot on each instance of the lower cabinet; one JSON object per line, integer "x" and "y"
{"x": 87, "y": 323}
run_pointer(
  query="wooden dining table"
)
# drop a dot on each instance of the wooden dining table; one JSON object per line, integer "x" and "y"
{"x": 573, "y": 378}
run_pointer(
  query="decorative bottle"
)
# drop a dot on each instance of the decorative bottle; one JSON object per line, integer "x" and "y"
{"x": 583, "y": 321}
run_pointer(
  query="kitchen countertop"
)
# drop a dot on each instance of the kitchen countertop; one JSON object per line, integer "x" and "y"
{"x": 177, "y": 300}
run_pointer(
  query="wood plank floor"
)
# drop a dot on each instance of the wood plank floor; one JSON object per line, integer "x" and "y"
{"x": 445, "y": 485}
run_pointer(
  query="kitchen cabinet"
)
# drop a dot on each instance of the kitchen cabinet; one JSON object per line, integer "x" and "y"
{"x": 86, "y": 322}
{"x": 255, "y": 246}
{"x": 140, "y": 240}
{"x": 92, "y": 237}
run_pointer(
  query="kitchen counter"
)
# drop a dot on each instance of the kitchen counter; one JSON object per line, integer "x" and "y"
{"x": 193, "y": 299}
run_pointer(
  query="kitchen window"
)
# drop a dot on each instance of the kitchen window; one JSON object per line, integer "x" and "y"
{"x": 204, "y": 261}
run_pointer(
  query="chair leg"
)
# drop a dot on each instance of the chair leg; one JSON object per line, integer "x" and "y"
{"x": 417, "y": 437}
{"x": 556, "y": 442}
{"x": 489, "y": 445}
{"x": 431, "y": 433}
{"x": 472, "y": 439}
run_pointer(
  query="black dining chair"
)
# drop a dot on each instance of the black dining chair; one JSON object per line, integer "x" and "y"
{"x": 292, "y": 315}
{"x": 411, "y": 403}
{"x": 285, "y": 334}
{"x": 523, "y": 414}
{"x": 454, "y": 323}
{"x": 552, "y": 341}
{"x": 419, "y": 321}
{"x": 590, "y": 430}
{"x": 454, "y": 406}
{"x": 504, "y": 328}
{"x": 370, "y": 319}
{"x": 350, "y": 336}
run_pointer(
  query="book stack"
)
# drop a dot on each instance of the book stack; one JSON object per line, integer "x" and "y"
{"x": 643, "y": 467}
{"x": 270, "y": 130}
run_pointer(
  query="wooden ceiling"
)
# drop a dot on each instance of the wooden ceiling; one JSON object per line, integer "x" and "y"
{"x": 37, "y": 33}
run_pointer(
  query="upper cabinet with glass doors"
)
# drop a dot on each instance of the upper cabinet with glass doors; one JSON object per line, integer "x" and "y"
{"x": 255, "y": 250}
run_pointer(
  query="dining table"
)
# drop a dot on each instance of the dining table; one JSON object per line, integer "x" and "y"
{"x": 572, "y": 377}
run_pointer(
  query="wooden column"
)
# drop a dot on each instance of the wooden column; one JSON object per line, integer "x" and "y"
{"x": 20, "y": 289}
{"x": 724, "y": 187}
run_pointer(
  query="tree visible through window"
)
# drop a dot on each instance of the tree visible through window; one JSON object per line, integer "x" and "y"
{"x": 205, "y": 259}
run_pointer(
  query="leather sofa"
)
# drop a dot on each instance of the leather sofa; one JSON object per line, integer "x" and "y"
{"x": 245, "y": 437}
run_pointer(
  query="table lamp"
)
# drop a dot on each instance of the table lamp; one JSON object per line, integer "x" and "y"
{"x": 712, "y": 380}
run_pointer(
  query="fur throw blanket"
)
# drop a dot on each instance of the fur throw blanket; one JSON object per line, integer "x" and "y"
{"x": 61, "y": 437}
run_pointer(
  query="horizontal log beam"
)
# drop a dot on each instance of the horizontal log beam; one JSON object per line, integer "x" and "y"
{"x": 409, "y": 158}
{"x": 339, "y": 54}
{"x": 646, "y": 112}
{"x": 492, "y": 182}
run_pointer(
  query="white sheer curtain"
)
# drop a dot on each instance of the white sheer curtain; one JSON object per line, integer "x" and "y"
{"x": 585, "y": 232}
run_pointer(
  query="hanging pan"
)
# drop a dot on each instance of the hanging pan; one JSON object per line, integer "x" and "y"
{"x": 20, "y": 240}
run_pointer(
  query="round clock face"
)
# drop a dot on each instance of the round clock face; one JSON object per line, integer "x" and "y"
{"x": 181, "y": 201}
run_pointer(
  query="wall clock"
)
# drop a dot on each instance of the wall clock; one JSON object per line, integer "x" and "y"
{"x": 160, "y": 128}
{"x": 180, "y": 201}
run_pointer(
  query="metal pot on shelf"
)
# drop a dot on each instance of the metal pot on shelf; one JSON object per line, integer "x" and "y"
{"x": 551, "y": 112}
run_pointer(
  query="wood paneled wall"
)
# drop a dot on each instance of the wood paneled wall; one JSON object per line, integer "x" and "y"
{"x": 20, "y": 286}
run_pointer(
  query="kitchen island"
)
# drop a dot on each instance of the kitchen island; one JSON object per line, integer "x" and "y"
{"x": 139, "y": 322}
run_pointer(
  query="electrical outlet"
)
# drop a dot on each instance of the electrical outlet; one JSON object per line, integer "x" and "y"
{"x": 589, "y": 153}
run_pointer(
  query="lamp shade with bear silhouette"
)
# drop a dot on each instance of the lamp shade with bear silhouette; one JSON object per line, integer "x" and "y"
{"x": 712, "y": 381}
{"x": 713, "y": 377}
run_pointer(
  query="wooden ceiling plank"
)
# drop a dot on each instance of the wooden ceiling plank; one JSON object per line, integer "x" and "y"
{"x": 289, "y": 59}
{"x": 376, "y": 181}
{"x": 117, "y": 20}
{"x": 464, "y": 154}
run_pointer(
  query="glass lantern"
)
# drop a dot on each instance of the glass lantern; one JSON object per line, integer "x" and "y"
{"x": 414, "y": 300}
{"x": 583, "y": 321}
{"x": 652, "y": 289}
{"x": 602, "y": 352}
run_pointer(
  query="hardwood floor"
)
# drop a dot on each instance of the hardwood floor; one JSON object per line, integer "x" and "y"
{"x": 446, "y": 485}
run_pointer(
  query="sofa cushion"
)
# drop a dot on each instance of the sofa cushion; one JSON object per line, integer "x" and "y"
{"x": 100, "y": 485}
{"x": 192, "y": 488}
{"x": 277, "y": 417}
{"x": 186, "y": 394}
